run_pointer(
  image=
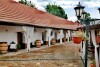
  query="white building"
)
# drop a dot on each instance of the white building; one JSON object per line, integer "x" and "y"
{"x": 24, "y": 25}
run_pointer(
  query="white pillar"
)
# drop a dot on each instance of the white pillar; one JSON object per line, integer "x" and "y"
{"x": 74, "y": 33}
{"x": 82, "y": 53}
{"x": 48, "y": 36}
{"x": 68, "y": 35}
{"x": 99, "y": 55}
{"x": 28, "y": 44}
{"x": 84, "y": 49}
{"x": 96, "y": 57}
{"x": 61, "y": 36}
{"x": 28, "y": 32}
{"x": 95, "y": 44}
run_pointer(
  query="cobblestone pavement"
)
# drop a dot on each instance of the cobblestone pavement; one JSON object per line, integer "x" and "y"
{"x": 54, "y": 56}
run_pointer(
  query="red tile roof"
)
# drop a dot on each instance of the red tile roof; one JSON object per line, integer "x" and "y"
{"x": 11, "y": 11}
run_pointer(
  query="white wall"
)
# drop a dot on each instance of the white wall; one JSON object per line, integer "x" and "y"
{"x": 57, "y": 32}
{"x": 53, "y": 35}
{"x": 8, "y": 37}
{"x": 48, "y": 34}
{"x": 9, "y": 33}
{"x": 10, "y": 28}
{"x": 67, "y": 35}
{"x": 59, "y": 35}
{"x": 37, "y": 35}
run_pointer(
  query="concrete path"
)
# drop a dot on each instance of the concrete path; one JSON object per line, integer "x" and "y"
{"x": 65, "y": 55}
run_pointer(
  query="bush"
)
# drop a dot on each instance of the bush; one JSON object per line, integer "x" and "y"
{"x": 93, "y": 61}
{"x": 18, "y": 46}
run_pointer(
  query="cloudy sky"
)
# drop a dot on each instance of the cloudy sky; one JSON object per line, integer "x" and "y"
{"x": 91, "y": 6}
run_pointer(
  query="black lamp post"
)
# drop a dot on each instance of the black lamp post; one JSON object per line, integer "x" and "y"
{"x": 82, "y": 16}
{"x": 99, "y": 10}
{"x": 79, "y": 9}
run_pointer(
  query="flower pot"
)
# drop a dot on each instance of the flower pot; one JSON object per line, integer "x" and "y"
{"x": 92, "y": 65}
{"x": 77, "y": 40}
{"x": 79, "y": 49}
{"x": 98, "y": 39}
{"x": 64, "y": 39}
{"x": 38, "y": 43}
{"x": 53, "y": 41}
{"x": 25, "y": 45}
{"x": 3, "y": 47}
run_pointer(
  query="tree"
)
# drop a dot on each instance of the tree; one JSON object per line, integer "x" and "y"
{"x": 87, "y": 15}
{"x": 56, "y": 10}
{"x": 29, "y": 3}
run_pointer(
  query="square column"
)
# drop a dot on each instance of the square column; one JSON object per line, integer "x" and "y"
{"x": 61, "y": 36}
{"x": 95, "y": 44}
{"x": 28, "y": 32}
{"x": 74, "y": 33}
{"x": 99, "y": 55}
{"x": 69, "y": 35}
{"x": 82, "y": 53}
{"x": 48, "y": 36}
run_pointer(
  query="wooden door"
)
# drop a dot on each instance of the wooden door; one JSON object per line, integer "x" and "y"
{"x": 56, "y": 35}
{"x": 19, "y": 38}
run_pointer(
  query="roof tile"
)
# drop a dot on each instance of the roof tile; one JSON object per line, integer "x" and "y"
{"x": 15, "y": 12}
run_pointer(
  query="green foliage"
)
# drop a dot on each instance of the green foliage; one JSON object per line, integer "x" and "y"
{"x": 93, "y": 61}
{"x": 86, "y": 20}
{"x": 27, "y": 3}
{"x": 64, "y": 37}
{"x": 18, "y": 46}
{"x": 56, "y": 10}
{"x": 87, "y": 15}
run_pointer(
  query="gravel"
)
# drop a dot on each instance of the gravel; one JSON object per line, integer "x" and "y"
{"x": 54, "y": 56}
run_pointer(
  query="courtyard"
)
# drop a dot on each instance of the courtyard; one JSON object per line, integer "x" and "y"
{"x": 62, "y": 55}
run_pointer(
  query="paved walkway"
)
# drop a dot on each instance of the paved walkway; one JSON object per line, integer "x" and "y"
{"x": 65, "y": 55}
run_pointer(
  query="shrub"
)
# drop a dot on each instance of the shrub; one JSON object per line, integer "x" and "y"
{"x": 18, "y": 46}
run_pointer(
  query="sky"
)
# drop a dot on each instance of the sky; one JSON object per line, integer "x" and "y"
{"x": 91, "y": 6}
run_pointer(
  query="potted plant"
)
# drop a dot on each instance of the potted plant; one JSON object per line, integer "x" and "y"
{"x": 79, "y": 37}
{"x": 98, "y": 39}
{"x": 93, "y": 63}
{"x": 77, "y": 40}
{"x": 64, "y": 39}
{"x": 3, "y": 47}
{"x": 18, "y": 46}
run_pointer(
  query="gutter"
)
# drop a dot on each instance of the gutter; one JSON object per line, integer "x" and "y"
{"x": 25, "y": 24}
